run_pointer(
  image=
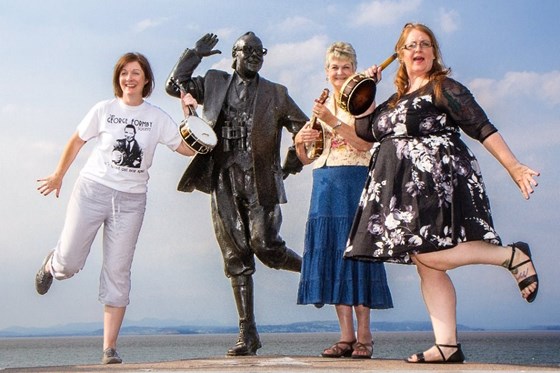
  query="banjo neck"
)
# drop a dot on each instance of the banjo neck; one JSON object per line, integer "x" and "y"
{"x": 192, "y": 110}
{"x": 315, "y": 149}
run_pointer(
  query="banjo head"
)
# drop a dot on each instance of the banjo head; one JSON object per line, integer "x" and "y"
{"x": 198, "y": 135}
{"x": 358, "y": 93}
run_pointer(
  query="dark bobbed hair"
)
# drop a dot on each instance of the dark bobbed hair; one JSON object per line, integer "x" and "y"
{"x": 146, "y": 68}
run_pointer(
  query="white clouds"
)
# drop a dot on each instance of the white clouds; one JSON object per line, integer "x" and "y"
{"x": 281, "y": 66}
{"x": 376, "y": 13}
{"x": 386, "y": 13}
{"x": 224, "y": 63}
{"x": 449, "y": 20}
{"x": 227, "y": 33}
{"x": 298, "y": 24}
{"x": 544, "y": 87}
{"x": 148, "y": 23}
{"x": 8, "y": 109}
{"x": 551, "y": 87}
{"x": 524, "y": 106}
{"x": 45, "y": 148}
{"x": 282, "y": 55}
{"x": 486, "y": 91}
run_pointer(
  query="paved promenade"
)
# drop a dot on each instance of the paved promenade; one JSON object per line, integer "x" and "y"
{"x": 288, "y": 364}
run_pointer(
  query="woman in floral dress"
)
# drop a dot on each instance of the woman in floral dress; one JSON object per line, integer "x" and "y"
{"x": 424, "y": 201}
{"x": 339, "y": 174}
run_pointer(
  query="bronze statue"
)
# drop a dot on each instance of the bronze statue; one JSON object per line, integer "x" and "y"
{"x": 243, "y": 173}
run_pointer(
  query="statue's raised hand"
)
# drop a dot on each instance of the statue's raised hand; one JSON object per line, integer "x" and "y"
{"x": 204, "y": 46}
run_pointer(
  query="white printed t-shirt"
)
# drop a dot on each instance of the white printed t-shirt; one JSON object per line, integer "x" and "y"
{"x": 116, "y": 162}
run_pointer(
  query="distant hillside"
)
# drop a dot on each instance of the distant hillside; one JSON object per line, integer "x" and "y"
{"x": 157, "y": 327}
{"x": 166, "y": 327}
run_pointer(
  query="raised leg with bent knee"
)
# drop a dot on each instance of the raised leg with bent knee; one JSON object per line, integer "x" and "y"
{"x": 517, "y": 261}
{"x": 439, "y": 293}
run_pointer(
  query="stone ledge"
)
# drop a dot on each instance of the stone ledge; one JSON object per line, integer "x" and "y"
{"x": 288, "y": 364}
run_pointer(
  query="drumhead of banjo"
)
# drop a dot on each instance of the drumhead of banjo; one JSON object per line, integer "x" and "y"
{"x": 201, "y": 131}
{"x": 361, "y": 97}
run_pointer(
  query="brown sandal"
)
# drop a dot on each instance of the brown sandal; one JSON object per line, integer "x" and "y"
{"x": 362, "y": 350}
{"x": 339, "y": 349}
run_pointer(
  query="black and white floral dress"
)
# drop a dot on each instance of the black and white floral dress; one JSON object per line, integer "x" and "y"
{"x": 424, "y": 191}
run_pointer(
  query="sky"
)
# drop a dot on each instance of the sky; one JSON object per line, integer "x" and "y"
{"x": 56, "y": 61}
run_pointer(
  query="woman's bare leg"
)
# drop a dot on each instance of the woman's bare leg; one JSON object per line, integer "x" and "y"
{"x": 363, "y": 319}
{"x": 346, "y": 322}
{"x": 364, "y": 347}
{"x": 112, "y": 321}
{"x": 347, "y": 336}
{"x": 440, "y": 299}
{"x": 480, "y": 252}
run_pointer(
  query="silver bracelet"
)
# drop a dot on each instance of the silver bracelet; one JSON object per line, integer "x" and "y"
{"x": 338, "y": 124}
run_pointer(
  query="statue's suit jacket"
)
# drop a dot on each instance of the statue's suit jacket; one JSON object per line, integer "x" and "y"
{"x": 274, "y": 110}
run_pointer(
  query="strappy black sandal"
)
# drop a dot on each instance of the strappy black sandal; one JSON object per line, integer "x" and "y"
{"x": 455, "y": 358}
{"x": 524, "y": 248}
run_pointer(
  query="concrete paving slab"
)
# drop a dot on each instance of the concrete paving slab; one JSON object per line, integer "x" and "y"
{"x": 288, "y": 364}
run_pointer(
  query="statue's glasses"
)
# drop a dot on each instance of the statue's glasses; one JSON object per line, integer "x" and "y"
{"x": 248, "y": 50}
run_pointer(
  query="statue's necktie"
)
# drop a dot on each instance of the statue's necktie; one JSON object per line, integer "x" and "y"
{"x": 243, "y": 91}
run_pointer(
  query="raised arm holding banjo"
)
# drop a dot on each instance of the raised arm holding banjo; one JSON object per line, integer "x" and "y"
{"x": 197, "y": 134}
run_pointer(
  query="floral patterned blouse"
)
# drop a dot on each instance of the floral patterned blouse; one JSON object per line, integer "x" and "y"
{"x": 337, "y": 151}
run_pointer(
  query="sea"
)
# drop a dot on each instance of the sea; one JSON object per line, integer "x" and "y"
{"x": 535, "y": 348}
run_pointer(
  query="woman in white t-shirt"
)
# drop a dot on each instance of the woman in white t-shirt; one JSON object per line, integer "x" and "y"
{"x": 111, "y": 189}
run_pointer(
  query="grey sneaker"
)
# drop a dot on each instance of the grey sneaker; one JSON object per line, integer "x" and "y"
{"x": 110, "y": 356}
{"x": 44, "y": 279}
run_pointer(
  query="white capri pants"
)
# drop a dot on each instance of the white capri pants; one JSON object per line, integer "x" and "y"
{"x": 91, "y": 205}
